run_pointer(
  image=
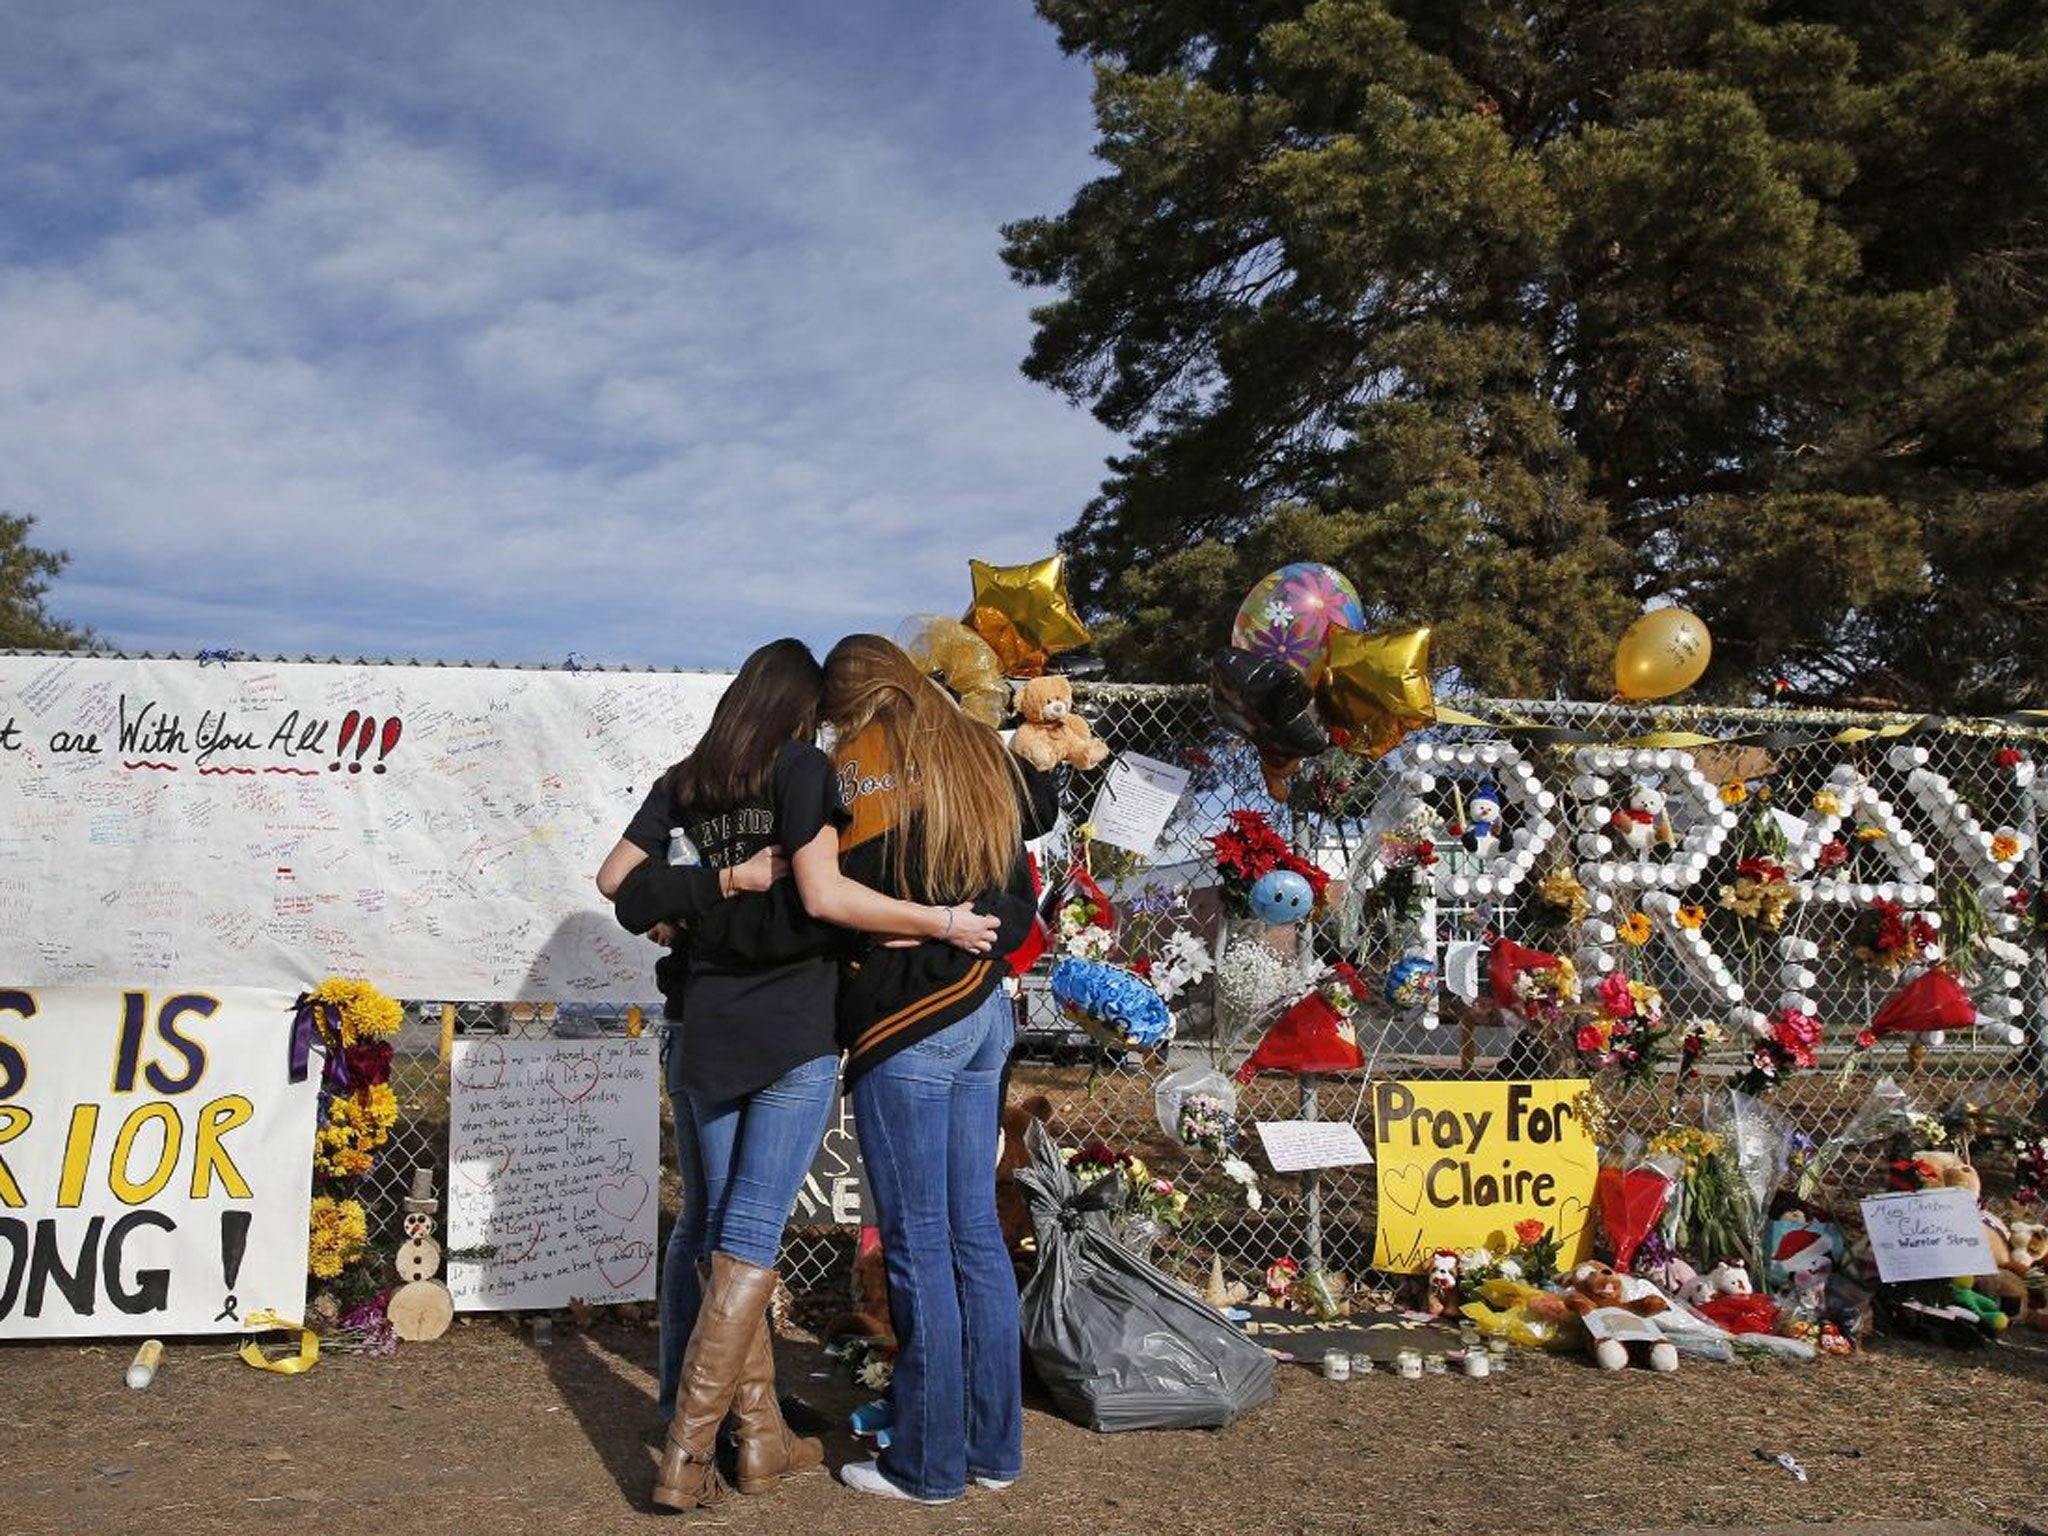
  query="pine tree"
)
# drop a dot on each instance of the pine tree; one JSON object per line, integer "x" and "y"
{"x": 25, "y": 575}
{"x": 1526, "y": 316}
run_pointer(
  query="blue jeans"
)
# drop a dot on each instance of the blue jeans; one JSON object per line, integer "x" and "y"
{"x": 681, "y": 1292}
{"x": 928, "y": 1123}
{"x": 756, "y": 1151}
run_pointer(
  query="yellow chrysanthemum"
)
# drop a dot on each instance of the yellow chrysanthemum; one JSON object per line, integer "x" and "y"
{"x": 366, "y": 1013}
{"x": 1635, "y": 930}
{"x": 1827, "y": 803}
{"x": 336, "y": 1233}
{"x": 1734, "y": 792}
{"x": 1692, "y": 915}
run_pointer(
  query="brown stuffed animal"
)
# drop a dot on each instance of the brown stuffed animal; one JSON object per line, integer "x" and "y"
{"x": 1011, "y": 1209}
{"x": 1052, "y": 733}
{"x": 2002, "y": 1285}
{"x": 868, "y": 1316}
{"x": 1615, "y": 1310}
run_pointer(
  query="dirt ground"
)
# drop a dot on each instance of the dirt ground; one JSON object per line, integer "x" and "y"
{"x": 485, "y": 1431}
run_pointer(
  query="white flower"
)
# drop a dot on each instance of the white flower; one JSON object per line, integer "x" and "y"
{"x": 1511, "y": 1269}
{"x": 1279, "y": 613}
{"x": 1240, "y": 1170}
{"x": 2007, "y": 951}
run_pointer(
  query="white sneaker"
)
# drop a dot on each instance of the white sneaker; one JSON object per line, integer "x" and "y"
{"x": 994, "y": 1484}
{"x": 867, "y": 1477}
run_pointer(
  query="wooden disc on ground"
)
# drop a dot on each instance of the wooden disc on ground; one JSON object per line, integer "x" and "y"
{"x": 420, "y": 1311}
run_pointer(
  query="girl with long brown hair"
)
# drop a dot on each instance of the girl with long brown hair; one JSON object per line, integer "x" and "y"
{"x": 756, "y": 1056}
{"x": 936, "y": 811}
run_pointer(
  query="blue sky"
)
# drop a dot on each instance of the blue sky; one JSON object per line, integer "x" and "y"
{"x": 644, "y": 331}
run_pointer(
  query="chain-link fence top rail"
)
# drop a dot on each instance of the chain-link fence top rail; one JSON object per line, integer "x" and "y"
{"x": 1939, "y": 816}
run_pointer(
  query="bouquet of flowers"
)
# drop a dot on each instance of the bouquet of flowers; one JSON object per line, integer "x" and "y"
{"x": 1560, "y": 901}
{"x": 1886, "y": 937}
{"x": 1206, "y": 1124}
{"x": 1625, "y": 1029}
{"x": 354, "y": 1023}
{"x": 1711, "y": 1217}
{"x": 1787, "y": 1041}
{"x": 339, "y": 1232}
{"x": 1541, "y": 990}
{"x": 1407, "y": 854}
{"x": 1146, "y": 1195}
{"x": 1762, "y": 892}
{"x": 868, "y": 1362}
{"x": 2030, "y": 1171}
{"x": 1083, "y": 918}
{"x": 1249, "y": 848}
{"x": 1182, "y": 961}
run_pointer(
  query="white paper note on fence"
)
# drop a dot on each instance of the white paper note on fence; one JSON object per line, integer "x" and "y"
{"x": 1136, "y": 801}
{"x": 554, "y": 1162}
{"x": 1293, "y": 1145}
{"x": 1928, "y": 1234}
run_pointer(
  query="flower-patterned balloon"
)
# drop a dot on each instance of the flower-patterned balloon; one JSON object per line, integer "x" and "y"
{"x": 1288, "y": 612}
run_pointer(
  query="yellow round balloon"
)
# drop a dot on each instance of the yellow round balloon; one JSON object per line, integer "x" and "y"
{"x": 1662, "y": 653}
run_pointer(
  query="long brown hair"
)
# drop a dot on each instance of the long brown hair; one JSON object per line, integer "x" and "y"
{"x": 771, "y": 702}
{"x": 964, "y": 781}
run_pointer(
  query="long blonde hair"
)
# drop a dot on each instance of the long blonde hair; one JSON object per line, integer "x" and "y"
{"x": 958, "y": 772}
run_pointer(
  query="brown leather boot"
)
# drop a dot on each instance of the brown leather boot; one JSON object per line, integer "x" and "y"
{"x": 735, "y": 1303}
{"x": 769, "y": 1451}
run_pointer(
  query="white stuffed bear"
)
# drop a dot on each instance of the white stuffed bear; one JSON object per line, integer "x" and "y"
{"x": 1640, "y": 824}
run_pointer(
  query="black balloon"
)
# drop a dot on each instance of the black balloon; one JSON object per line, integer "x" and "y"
{"x": 1266, "y": 702}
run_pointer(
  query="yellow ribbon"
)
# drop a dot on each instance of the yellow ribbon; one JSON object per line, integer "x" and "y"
{"x": 285, "y": 1365}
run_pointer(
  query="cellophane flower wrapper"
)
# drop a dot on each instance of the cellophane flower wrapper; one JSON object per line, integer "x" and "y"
{"x": 1175, "y": 1090}
{"x": 1757, "y": 1138}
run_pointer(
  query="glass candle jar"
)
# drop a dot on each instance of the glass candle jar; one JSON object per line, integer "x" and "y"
{"x": 1408, "y": 1365}
{"x": 1336, "y": 1365}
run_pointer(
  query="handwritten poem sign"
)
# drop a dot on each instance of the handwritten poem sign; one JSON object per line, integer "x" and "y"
{"x": 1928, "y": 1234}
{"x": 156, "y": 1162}
{"x": 554, "y": 1163}
{"x": 1460, "y": 1163}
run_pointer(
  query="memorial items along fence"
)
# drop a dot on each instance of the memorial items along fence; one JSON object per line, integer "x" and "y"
{"x": 1743, "y": 863}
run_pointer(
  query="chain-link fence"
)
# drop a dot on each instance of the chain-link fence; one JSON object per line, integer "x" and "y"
{"x": 1856, "y": 815}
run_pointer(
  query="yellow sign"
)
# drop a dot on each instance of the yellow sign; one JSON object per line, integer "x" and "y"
{"x": 1460, "y": 1163}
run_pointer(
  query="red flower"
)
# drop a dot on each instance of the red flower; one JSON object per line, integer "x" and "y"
{"x": 1834, "y": 853}
{"x": 1762, "y": 870}
{"x": 1865, "y": 1039}
{"x": 2009, "y": 757}
{"x": 1142, "y": 966}
{"x": 1529, "y": 1231}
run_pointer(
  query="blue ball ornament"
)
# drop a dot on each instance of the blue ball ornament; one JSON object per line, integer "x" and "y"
{"x": 1282, "y": 896}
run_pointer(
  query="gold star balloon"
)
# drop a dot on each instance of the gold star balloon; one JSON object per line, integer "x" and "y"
{"x": 1375, "y": 686}
{"x": 1023, "y": 612}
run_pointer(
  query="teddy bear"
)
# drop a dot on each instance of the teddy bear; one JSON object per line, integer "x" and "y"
{"x": 1641, "y": 824}
{"x": 2001, "y": 1284}
{"x": 2029, "y": 1245}
{"x": 1616, "y": 1311}
{"x": 1442, "y": 1282}
{"x": 1051, "y": 732}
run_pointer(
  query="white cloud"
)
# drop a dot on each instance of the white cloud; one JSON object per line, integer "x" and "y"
{"x": 646, "y": 341}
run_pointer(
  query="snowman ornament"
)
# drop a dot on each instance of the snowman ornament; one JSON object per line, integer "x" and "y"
{"x": 1641, "y": 825}
{"x": 421, "y": 1308}
{"x": 1482, "y": 822}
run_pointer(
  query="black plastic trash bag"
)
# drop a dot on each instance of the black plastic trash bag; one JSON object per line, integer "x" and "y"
{"x": 1118, "y": 1344}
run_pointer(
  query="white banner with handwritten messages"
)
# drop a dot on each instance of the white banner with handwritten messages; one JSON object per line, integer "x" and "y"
{"x": 554, "y": 1167}
{"x": 156, "y": 1161}
{"x": 435, "y": 829}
